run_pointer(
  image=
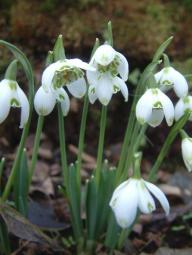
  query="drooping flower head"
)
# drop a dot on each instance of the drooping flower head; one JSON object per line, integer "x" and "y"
{"x": 105, "y": 81}
{"x": 11, "y": 95}
{"x": 169, "y": 78}
{"x": 66, "y": 73}
{"x": 133, "y": 195}
{"x": 186, "y": 149}
{"x": 153, "y": 106}
{"x": 183, "y": 105}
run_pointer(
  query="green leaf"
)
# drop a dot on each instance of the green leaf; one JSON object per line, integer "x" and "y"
{"x": 106, "y": 187}
{"x": 161, "y": 49}
{"x": 4, "y": 239}
{"x": 50, "y": 58}
{"x": 58, "y": 50}
{"x": 21, "y": 184}
{"x": 74, "y": 201}
{"x": 110, "y": 33}
{"x": 96, "y": 45}
{"x": 91, "y": 208}
{"x": 2, "y": 163}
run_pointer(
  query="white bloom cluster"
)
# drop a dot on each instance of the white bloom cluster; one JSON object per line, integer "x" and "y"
{"x": 154, "y": 104}
{"x": 133, "y": 195}
{"x": 104, "y": 82}
{"x": 67, "y": 73}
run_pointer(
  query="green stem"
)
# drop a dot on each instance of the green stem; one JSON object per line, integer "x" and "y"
{"x": 29, "y": 74}
{"x": 15, "y": 165}
{"x": 82, "y": 138}
{"x": 62, "y": 146}
{"x": 137, "y": 165}
{"x": 36, "y": 146}
{"x": 103, "y": 122}
{"x": 164, "y": 150}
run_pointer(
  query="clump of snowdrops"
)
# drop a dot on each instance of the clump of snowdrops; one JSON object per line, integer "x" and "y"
{"x": 112, "y": 198}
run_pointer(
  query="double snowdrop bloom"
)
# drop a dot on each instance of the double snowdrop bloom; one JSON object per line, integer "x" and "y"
{"x": 183, "y": 105}
{"x": 64, "y": 73}
{"x": 11, "y": 95}
{"x": 133, "y": 195}
{"x": 169, "y": 78}
{"x": 186, "y": 148}
{"x": 105, "y": 81}
{"x": 153, "y": 106}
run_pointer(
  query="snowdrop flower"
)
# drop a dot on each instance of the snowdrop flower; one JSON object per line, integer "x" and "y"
{"x": 169, "y": 78}
{"x": 186, "y": 148}
{"x": 105, "y": 81}
{"x": 133, "y": 195}
{"x": 153, "y": 106}
{"x": 184, "y": 104}
{"x": 11, "y": 95}
{"x": 64, "y": 73}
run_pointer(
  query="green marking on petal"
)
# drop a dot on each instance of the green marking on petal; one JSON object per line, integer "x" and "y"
{"x": 15, "y": 103}
{"x": 150, "y": 207}
{"x": 92, "y": 90}
{"x": 157, "y": 105}
{"x": 61, "y": 97}
{"x": 167, "y": 83}
{"x": 65, "y": 75}
{"x": 112, "y": 67}
{"x": 115, "y": 88}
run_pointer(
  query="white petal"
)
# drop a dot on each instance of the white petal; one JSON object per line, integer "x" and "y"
{"x": 168, "y": 107}
{"x": 78, "y": 88}
{"x": 80, "y": 64}
{"x": 65, "y": 104}
{"x": 186, "y": 148}
{"x": 144, "y": 107}
{"x": 159, "y": 195}
{"x": 180, "y": 85}
{"x": 104, "y": 55}
{"x": 123, "y": 67}
{"x": 164, "y": 80}
{"x": 92, "y": 78}
{"x": 179, "y": 109}
{"x": 122, "y": 86}
{"x": 104, "y": 90}
{"x": 44, "y": 102}
{"x": 48, "y": 74}
{"x": 5, "y": 96}
{"x": 92, "y": 94}
{"x": 24, "y": 103}
{"x": 124, "y": 203}
{"x": 158, "y": 76}
{"x": 146, "y": 202}
{"x": 156, "y": 117}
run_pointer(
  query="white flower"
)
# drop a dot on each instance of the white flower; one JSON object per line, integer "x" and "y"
{"x": 65, "y": 73}
{"x": 105, "y": 81}
{"x": 133, "y": 195}
{"x": 182, "y": 106}
{"x": 186, "y": 148}
{"x": 11, "y": 95}
{"x": 153, "y": 106}
{"x": 169, "y": 78}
